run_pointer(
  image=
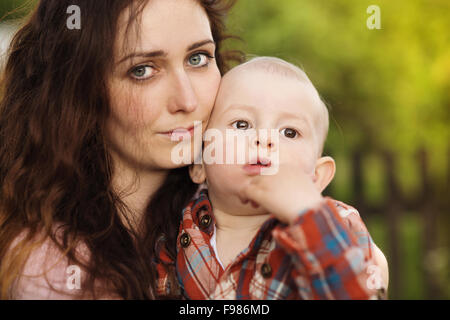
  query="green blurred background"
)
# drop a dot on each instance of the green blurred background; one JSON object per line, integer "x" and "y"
{"x": 388, "y": 92}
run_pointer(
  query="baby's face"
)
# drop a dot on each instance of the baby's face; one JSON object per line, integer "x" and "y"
{"x": 257, "y": 100}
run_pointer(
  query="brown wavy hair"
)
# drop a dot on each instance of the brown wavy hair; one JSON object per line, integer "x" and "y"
{"x": 55, "y": 169}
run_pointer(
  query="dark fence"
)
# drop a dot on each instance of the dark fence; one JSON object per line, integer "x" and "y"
{"x": 432, "y": 206}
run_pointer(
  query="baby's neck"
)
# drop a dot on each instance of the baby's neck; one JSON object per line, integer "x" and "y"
{"x": 234, "y": 233}
{"x": 238, "y": 224}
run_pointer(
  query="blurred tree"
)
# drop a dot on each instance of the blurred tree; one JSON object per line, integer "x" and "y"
{"x": 13, "y": 9}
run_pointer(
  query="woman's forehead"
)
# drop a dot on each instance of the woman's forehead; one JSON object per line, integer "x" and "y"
{"x": 163, "y": 25}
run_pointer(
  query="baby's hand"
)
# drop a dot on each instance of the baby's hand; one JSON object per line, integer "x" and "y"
{"x": 284, "y": 194}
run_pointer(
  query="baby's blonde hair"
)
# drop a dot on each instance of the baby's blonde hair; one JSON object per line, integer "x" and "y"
{"x": 283, "y": 68}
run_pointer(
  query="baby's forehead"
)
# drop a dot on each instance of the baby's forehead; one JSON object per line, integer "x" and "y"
{"x": 270, "y": 66}
{"x": 264, "y": 74}
{"x": 265, "y": 71}
{"x": 263, "y": 83}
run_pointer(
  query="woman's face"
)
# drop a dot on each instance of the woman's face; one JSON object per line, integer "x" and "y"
{"x": 164, "y": 78}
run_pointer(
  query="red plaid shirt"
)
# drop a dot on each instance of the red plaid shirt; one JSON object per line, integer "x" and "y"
{"x": 327, "y": 253}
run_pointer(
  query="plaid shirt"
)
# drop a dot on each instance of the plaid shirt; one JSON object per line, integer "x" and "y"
{"x": 324, "y": 254}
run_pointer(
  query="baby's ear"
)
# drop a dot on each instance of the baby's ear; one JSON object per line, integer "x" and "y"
{"x": 197, "y": 173}
{"x": 324, "y": 173}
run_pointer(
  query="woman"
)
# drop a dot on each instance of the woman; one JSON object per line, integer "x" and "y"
{"x": 88, "y": 187}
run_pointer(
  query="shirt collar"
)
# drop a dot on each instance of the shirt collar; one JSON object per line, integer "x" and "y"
{"x": 200, "y": 208}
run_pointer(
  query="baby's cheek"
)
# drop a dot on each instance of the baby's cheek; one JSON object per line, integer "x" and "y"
{"x": 217, "y": 172}
{"x": 222, "y": 177}
{"x": 227, "y": 147}
{"x": 298, "y": 155}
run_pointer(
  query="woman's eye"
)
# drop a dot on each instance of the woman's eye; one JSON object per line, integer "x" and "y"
{"x": 241, "y": 125}
{"x": 142, "y": 72}
{"x": 199, "y": 59}
{"x": 289, "y": 133}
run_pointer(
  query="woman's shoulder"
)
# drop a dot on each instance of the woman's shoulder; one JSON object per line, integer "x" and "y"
{"x": 45, "y": 272}
{"x": 48, "y": 273}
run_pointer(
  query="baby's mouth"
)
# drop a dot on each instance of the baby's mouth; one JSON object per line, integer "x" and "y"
{"x": 255, "y": 166}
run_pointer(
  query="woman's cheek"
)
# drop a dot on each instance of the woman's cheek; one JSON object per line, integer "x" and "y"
{"x": 129, "y": 106}
{"x": 208, "y": 89}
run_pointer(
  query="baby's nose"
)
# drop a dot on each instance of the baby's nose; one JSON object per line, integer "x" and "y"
{"x": 266, "y": 138}
{"x": 269, "y": 144}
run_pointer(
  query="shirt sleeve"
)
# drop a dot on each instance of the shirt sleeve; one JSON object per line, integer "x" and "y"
{"x": 166, "y": 273}
{"x": 332, "y": 252}
{"x": 163, "y": 283}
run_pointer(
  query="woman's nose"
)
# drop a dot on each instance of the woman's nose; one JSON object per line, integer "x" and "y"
{"x": 183, "y": 97}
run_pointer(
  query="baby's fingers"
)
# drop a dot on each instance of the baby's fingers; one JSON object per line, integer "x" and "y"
{"x": 253, "y": 193}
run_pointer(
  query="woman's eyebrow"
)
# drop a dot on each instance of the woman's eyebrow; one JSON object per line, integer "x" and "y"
{"x": 161, "y": 53}
{"x": 199, "y": 44}
{"x": 151, "y": 54}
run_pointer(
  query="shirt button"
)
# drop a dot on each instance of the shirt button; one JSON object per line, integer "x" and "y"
{"x": 205, "y": 221}
{"x": 266, "y": 270}
{"x": 185, "y": 240}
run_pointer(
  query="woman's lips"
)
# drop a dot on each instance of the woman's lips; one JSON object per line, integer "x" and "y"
{"x": 180, "y": 133}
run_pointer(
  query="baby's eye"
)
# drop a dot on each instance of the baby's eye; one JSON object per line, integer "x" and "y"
{"x": 142, "y": 72}
{"x": 241, "y": 125}
{"x": 289, "y": 133}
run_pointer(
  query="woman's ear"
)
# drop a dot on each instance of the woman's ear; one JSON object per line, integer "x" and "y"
{"x": 197, "y": 173}
{"x": 324, "y": 172}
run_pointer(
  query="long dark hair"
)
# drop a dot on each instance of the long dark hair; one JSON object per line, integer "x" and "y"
{"x": 54, "y": 166}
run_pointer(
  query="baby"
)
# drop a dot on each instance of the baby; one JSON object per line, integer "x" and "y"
{"x": 273, "y": 236}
